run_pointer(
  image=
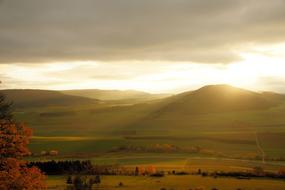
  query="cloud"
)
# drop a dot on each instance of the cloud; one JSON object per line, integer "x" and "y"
{"x": 271, "y": 83}
{"x": 148, "y": 76}
{"x": 206, "y": 31}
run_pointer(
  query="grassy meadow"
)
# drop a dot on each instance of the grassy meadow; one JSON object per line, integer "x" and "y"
{"x": 91, "y": 130}
{"x": 175, "y": 182}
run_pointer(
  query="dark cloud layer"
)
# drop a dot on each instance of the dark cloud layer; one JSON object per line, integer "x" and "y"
{"x": 184, "y": 30}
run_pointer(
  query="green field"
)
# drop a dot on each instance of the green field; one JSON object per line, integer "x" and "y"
{"x": 107, "y": 125}
{"x": 104, "y": 129}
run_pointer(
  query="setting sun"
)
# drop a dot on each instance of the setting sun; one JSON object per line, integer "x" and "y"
{"x": 257, "y": 71}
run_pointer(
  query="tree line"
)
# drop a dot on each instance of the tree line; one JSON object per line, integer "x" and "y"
{"x": 85, "y": 167}
{"x": 63, "y": 167}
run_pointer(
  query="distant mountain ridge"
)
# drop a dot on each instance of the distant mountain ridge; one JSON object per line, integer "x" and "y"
{"x": 115, "y": 95}
{"x": 208, "y": 99}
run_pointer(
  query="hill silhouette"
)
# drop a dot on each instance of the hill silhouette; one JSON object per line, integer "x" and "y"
{"x": 42, "y": 98}
{"x": 121, "y": 96}
{"x": 218, "y": 98}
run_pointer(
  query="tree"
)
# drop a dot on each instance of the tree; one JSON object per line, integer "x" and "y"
{"x": 97, "y": 179}
{"x": 137, "y": 171}
{"x": 15, "y": 175}
{"x": 69, "y": 180}
{"x": 151, "y": 170}
{"x": 258, "y": 170}
{"x": 5, "y": 108}
{"x": 14, "y": 138}
{"x": 282, "y": 171}
{"x": 82, "y": 183}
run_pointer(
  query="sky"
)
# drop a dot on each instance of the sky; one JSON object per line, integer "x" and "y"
{"x": 156, "y": 46}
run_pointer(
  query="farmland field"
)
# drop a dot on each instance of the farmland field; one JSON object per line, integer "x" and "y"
{"x": 175, "y": 182}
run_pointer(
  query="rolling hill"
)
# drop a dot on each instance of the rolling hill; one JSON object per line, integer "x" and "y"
{"x": 218, "y": 98}
{"x": 116, "y": 96}
{"x": 26, "y": 98}
{"x": 219, "y": 118}
{"x": 213, "y": 109}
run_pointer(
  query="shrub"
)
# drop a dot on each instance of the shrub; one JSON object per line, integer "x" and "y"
{"x": 157, "y": 174}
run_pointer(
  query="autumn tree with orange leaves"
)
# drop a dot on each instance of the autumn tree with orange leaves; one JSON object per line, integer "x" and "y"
{"x": 14, "y": 138}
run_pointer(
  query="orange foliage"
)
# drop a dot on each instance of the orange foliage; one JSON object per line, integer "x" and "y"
{"x": 14, "y": 139}
{"x": 141, "y": 170}
{"x": 282, "y": 171}
{"x": 151, "y": 170}
{"x": 14, "y": 173}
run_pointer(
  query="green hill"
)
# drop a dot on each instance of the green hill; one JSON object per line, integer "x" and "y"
{"x": 27, "y": 98}
{"x": 218, "y": 98}
{"x": 219, "y": 118}
{"x": 213, "y": 109}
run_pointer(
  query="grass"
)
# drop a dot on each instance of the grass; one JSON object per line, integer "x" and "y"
{"x": 238, "y": 144}
{"x": 169, "y": 161}
{"x": 176, "y": 183}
